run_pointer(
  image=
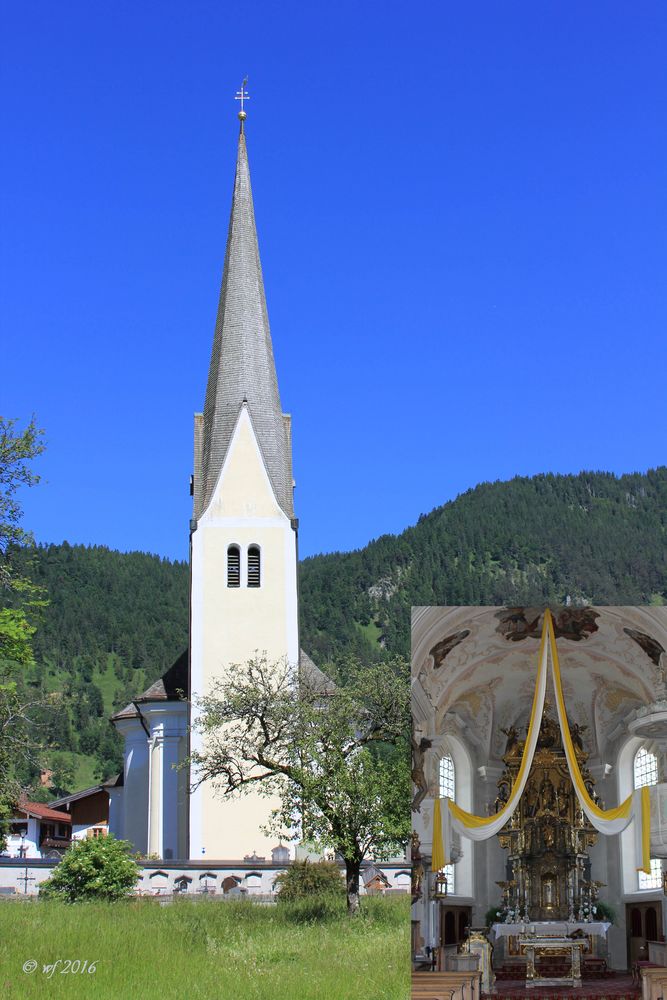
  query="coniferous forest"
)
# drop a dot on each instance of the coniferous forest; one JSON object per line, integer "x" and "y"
{"x": 116, "y": 621}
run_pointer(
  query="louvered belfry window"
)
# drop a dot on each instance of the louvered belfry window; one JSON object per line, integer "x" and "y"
{"x": 233, "y": 566}
{"x": 254, "y": 568}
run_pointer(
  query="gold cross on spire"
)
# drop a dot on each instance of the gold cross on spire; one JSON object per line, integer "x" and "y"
{"x": 242, "y": 95}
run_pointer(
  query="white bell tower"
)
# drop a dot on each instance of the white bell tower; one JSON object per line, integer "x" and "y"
{"x": 243, "y": 538}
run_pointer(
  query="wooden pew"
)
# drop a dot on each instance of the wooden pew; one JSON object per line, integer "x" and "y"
{"x": 460, "y": 985}
{"x": 654, "y": 983}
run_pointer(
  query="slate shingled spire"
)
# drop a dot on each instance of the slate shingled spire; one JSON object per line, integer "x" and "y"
{"x": 242, "y": 367}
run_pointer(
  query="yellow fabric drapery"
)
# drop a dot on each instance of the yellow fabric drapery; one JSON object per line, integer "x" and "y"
{"x": 608, "y": 821}
{"x": 438, "y": 861}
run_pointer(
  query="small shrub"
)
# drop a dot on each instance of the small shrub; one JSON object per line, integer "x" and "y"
{"x": 603, "y": 911}
{"x": 93, "y": 869}
{"x": 308, "y": 879}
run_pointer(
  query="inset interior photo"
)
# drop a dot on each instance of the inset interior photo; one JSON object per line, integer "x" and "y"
{"x": 540, "y": 796}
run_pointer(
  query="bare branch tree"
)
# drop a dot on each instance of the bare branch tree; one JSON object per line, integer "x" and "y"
{"x": 337, "y": 756}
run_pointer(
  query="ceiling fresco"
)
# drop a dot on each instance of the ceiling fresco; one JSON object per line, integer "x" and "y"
{"x": 479, "y": 666}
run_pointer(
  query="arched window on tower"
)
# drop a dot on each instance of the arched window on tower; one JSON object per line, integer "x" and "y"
{"x": 447, "y": 784}
{"x": 233, "y": 566}
{"x": 646, "y": 773}
{"x": 254, "y": 566}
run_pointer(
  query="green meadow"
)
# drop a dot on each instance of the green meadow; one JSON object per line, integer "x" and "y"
{"x": 205, "y": 948}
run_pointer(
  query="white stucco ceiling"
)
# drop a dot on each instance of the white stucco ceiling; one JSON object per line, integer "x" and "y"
{"x": 480, "y": 664}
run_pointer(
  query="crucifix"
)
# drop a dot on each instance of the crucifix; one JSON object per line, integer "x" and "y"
{"x": 25, "y": 879}
{"x": 242, "y": 95}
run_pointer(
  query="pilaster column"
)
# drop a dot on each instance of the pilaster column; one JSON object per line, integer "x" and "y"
{"x": 155, "y": 797}
{"x": 135, "y": 783}
{"x": 170, "y": 806}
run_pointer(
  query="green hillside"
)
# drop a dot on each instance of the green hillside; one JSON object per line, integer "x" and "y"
{"x": 116, "y": 621}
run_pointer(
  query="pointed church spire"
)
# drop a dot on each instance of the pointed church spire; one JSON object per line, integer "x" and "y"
{"x": 242, "y": 371}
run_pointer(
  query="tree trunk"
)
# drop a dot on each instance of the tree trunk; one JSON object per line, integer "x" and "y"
{"x": 352, "y": 868}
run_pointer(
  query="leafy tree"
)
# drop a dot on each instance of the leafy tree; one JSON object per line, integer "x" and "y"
{"x": 95, "y": 868}
{"x": 19, "y": 599}
{"x": 336, "y": 756}
{"x": 18, "y": 594}
{"x": 304, "y": 879}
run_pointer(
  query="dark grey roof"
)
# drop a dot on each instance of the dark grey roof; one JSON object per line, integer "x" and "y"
{"x": 312, "y": 673}
{"x": 170, "y": 687}
{"x": 75, "y": 796}
{"x": 242, "y": 366}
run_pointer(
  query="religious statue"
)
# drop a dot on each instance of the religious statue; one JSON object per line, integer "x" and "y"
{"x": 549, "y": 836}
{"x": 547, "y": 795}
{"x": 502, "y": 797}
{"x": 563, "y": 799}
{"x": 418, "y": 775}
{"x": 531, "y": 799}
{"x": 576, "y": 733}
{"x": 512, "y": 745}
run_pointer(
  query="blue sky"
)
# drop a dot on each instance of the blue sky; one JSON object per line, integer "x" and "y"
{"x": 462, "y": 213}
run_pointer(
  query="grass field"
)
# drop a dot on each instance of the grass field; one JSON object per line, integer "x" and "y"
{"x": 205, "y": 948}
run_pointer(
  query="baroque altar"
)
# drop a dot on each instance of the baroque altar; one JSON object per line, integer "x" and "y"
{"x": 548, "y": 836}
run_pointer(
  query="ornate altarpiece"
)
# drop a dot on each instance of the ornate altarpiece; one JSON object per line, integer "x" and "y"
{"x": 548, "y": 836}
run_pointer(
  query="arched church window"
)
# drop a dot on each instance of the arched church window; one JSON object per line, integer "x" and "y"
{"x": 254, "y": 567}
{"x": 447, "y": 778}
{"x": 233, "y": 566}
{"x": 447, "y": 781}
{"x": 646, "y": 773}
{"x": 646, "y": 768}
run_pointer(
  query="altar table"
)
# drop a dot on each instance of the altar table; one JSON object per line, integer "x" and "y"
{"x": 533, "y": 946}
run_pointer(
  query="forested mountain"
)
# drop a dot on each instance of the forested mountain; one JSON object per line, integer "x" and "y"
{"x": 593, "y": 537}
{"x": 116, "y": 621}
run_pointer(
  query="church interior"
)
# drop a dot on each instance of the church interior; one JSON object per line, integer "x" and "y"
{"x": 547, "y": 901}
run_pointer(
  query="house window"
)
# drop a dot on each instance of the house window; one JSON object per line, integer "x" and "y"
{"x": 254, "y": 569}
{"x": 93, "y": 832}
{"x": 233, "y": 566}
{"x": 447, "y": 785}
{"x": 646, "y": 773}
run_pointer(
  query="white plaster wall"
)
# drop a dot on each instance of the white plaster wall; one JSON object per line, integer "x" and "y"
{"x": 167, "y": 723}
{"x": 30, "y": 844}
{"x": 80, "y": 830}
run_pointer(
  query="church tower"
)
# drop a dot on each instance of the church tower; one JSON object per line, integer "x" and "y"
{"x": 243, "y": 533}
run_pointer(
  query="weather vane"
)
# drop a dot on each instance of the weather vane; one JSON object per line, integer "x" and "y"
{"x": 242, "y": 96}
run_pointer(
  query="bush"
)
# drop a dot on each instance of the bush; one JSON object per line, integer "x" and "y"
{"x": 494, "y": 915}
{"x": 305, "y": 879}
{"x": 93, "y": 869}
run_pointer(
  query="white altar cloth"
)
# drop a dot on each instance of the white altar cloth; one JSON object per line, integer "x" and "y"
{"x": 551, "y": 928}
